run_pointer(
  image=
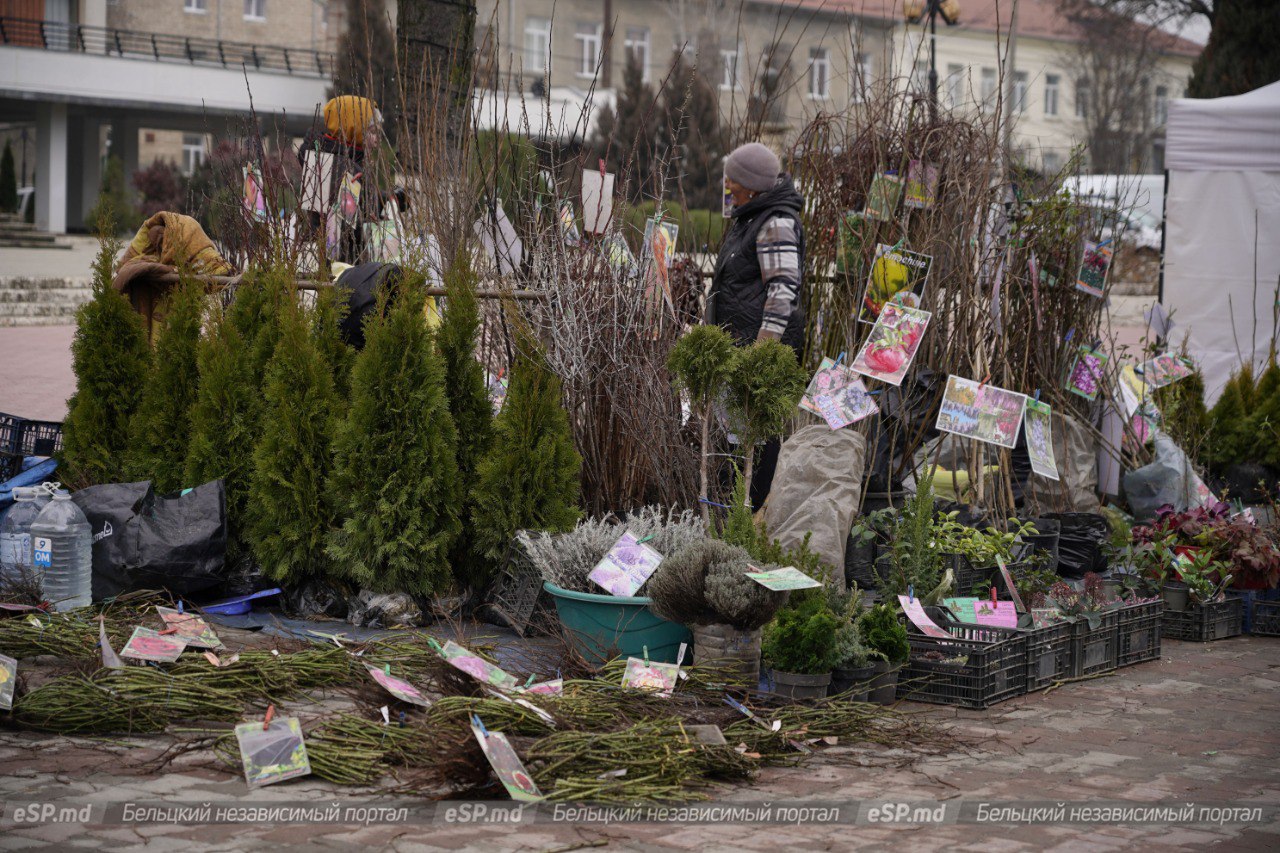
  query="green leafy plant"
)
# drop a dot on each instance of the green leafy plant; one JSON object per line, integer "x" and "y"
{"x": 110, "y": 357}
{"x": 395, "y": 474}
{"x": 802, "y": 637}
{"x": 160, "y": 429}
{"x": 762, "y": 390}
{"x": 290, "y": 509}
{"x": 884, "y": 635}
{"x": 530, "y": 478}
{"x": 1204, "y": 576}
{"x": 700, "y": 363}
{"x": 916, "y": 558}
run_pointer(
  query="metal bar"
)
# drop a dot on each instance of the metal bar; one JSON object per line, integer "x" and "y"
{"x": 190, "y": 56}
{"x": 287, "y": 66}
{"x": 311, "y": 284}
{"x": 155, "y": 50}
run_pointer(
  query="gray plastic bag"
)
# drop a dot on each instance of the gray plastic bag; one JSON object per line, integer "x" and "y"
{"x": 1075, "y": 451}
{"x": 815, "y": 491}
{"x": 1168, "y": 480}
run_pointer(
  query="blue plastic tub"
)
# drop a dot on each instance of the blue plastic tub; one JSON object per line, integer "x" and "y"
{"x": 602, "y": 627}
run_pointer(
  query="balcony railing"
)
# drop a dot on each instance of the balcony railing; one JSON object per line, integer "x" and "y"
{"x": 105, "y": 41}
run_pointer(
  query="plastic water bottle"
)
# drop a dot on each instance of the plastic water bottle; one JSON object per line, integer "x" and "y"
{"x": 16, "y": 567}
{"x": 62, "y": 551}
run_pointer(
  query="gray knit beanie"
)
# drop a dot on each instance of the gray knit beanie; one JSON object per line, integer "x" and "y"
{"x": 754, "y": 166}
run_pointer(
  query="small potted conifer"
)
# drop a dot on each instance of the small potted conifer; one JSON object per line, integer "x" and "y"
{"x": 886, "y": 640}
{"x": 800, "y": 646}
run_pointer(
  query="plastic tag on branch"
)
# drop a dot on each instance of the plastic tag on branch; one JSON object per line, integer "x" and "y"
{"x": 146, "y": 644}
{"x": 272, "y": 752}
{"x": 506, "y": 764}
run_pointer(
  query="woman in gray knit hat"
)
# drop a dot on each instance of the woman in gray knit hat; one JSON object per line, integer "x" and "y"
{"x": 755, "y": 292}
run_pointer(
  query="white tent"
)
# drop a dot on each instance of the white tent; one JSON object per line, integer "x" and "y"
{"x": 1222, "y": 228}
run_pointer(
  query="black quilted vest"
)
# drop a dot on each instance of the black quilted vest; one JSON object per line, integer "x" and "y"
{"x": 736, "y": 301}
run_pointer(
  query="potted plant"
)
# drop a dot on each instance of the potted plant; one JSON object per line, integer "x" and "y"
{"x": 915, "y": 561}
{"x": 1198, "y": 575}
{"x": 854, "y": 668}
{"x": 704, "y": 585}
{"x": 800, "y": 647}
{"x": 886, "y": 642}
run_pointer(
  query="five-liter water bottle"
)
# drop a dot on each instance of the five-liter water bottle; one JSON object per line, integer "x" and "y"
{"x": 16, "y": 566}
{"x": 62, "y": 552}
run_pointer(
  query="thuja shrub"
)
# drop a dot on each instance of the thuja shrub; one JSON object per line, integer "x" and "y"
{"x": 395, "y": 474}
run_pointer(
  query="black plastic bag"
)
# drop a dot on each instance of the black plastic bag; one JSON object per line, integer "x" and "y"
{"x": 361, "y": 284}
{"x": 1080, "y": 543}
{"x": 145, "y": 541}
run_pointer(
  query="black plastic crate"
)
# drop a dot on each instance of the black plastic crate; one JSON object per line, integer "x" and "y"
{"x": 516, "y": 598}
{"x": 1266, "y": 618}
{"x": 1138, "y": 632}
{"x": 1203, "y": 622}
{"x": 1094, "y": 650}
{"x": 1048, "y": 655}
{"x": 11, "y": 434}
{"x": 40, "y": 438}
{"x": 981, "y": 666}
{"x": 1250, "y": 598}
{"x": 10, "y": 466}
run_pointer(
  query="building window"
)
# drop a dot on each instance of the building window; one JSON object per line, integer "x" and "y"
{"x": 537, "y": 44}
{"x": 819, "y": 73}
{"x": 255, "y": 10}
{"x": 636, "y": 46}
{"x": 1082, "y": 97}
{"x": 588, "y": 38}
{"x": 729, "y": 69}
{"x": 192, "y": 152}
{"x": 1162, "y": 105}
{"x": 920, "y": 77}
{"x": 862, "y": 79}
{"x": 1052, "y": 162}
{"x": 1051, "y": 82}
{"x": 1020, "y": 91}
{"x": 955, "y": 85}
{"x": 195, "y": 7}
{"x": 988, "y": 90}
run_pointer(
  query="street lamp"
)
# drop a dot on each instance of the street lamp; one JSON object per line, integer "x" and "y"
{"x": 916, "y": 11}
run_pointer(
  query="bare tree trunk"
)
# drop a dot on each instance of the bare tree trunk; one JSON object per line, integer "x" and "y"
{"x": 435, "y": 40}
{"x": 703, "y": 472}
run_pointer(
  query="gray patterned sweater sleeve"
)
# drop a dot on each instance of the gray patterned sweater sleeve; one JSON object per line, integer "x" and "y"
{"x": 778, "y": 252}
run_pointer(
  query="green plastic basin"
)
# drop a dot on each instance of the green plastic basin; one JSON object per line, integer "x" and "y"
{"x": 602, "y": 627}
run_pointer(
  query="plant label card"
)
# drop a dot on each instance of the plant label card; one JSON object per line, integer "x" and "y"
{"x": 998, "y": 614}
{"x": 349, "y": 198}
{"x": 783, "y": 579}
{"x": 838, "y": 396}
{"x": 660, "y": 240}
{"x": 707, "y": 735}
{"x": 506, "y": 764}
{"x": 617, "y": 253}
{"x": 8, "y": 681}
{"x": 272, "y": 753}
{"x": 1037, "y": 424}
{"x": 962, "y": 607}
{"x": 983, "y": 412}
{"x": 1010, "y": 586}
{"x": 317, "y": 181}
{"x": 597, "y": 200}
{"x": 398, "y": 687}
{"x": 146, "y": 644}
{"x": 892, "y": 345}
{"x": 1086, "y": 374}
{"x": 915, "y": 612}
{"x": 922, "y": 184}
{"x": 1094, "y": 267}
{"x": 626, "y": 567}
{"x": 883, "y": 197}
{"x": 897, "y": 276}
{"x": 1164, "y": 370}
{"x": 477, "y": 667}
{"x": 568, "y": 224}
{"x": 255, "y": 203}
{"x": 553, "y": 687}
{"x": 654, "y": 677}
{"x": 191, "y": 629}
{"x": 498, "y": 386}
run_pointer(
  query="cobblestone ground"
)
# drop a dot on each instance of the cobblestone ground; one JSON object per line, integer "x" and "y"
{"x": 1199, "y": 725}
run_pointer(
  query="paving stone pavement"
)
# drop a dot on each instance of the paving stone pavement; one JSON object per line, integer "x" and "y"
{"x": 1199, "y": 725}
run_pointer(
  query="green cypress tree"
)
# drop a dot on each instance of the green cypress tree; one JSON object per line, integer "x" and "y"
{"x": 469, "y": 403}
{"x": 1229, "y": 440}
{"x": 161, "y": 427}
{"x": 1241, "y": 54}
{"x": 395, "y": 475}
{"x": 223, "y": 426}
{"x": 290, "y": 509}
{"x": 109, "y": 355}
{"x": 529, "y": 480}
{"x": 764, "y": 386}
{"x": 331, "y": 308}
{"x": 8, "y": 181}
{"x": 254, "y": 314}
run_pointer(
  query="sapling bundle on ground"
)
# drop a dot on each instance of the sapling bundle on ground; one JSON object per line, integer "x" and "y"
{"x": 290, "y": 508}
{"x": 110, "y": 357}
{"x": 395, "y": 475}
{"x": 160, "y": 430}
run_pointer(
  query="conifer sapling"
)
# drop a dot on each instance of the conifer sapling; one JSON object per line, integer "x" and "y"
{"x": 764, "y": 386}
{"x": 699, "y": 363}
